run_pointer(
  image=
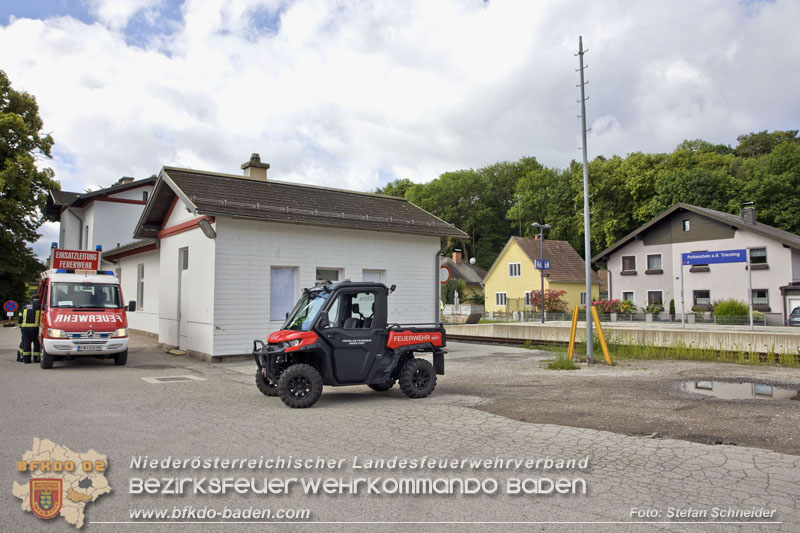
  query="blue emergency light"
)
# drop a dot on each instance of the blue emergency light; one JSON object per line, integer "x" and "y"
{"x": 99, "y": 248}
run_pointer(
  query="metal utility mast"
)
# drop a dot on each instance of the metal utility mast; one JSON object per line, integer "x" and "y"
{"x": 587, "y": 239}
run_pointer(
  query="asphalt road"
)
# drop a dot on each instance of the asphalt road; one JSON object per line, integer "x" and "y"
{"x": 88, "y": 404}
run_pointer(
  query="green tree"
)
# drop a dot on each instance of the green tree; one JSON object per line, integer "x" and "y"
{"x": 397, "y": 187}
{"x": 23, "y": 187}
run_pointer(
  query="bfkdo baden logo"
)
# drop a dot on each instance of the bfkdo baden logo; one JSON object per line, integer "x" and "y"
{"x": 62, "y": 482}
{"x": 46, "y": 497}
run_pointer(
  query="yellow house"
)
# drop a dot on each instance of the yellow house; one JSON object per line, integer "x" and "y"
{"x": 513, "y": 277}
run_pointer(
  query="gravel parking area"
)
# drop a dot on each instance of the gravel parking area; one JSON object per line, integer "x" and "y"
{"x": 635, "y": 397}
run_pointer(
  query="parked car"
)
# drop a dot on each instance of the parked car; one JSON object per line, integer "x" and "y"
{"x": 794, "y": 317}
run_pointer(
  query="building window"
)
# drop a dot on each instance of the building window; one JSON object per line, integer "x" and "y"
{"x": 628, "y": 264}
{"x": 327, "y": 274}
{"x": 758, "y": 256}
{"x": 627, "y": 296}
{"x": 687, "y": 225}
{"x": 702, "y": 298}
{"x": 183, "y": 258}
{"x": 375, "y": 276}
{"x": 281, "y": 292}
{"x": 655, "y": 298}
{"x": 140, "y": 286}
{"x": 654, "y": 264}
{"x": 761, "y": 297}
{"x": 500, "y": 299}
{"x": 514, "y": 270}
{"x": 144, "y": 196}
{"x": 527, "y": 298}
{"x": 583, "y": 298}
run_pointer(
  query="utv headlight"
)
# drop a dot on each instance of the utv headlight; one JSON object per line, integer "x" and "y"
{"x": 291, "y": 343}
{"x": 56, "y": 333}
{"x": 121, "y": 332}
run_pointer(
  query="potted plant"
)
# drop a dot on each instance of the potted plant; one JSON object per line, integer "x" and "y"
{"x": 653, "y": 308}
{"x": 625, "y": 307}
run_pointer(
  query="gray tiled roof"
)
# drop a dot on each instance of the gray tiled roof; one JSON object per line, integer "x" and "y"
{"x": 464, "y": 271}
{"x": 61, "y": 199}
{"x": 784, "y": 237}
{"x": 565, "y": 263}
{"x": 228, "y": 195}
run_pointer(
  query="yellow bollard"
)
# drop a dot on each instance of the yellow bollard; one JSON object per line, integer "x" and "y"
{"x": 572, "y": 333}
{"x": 600, "y": 336}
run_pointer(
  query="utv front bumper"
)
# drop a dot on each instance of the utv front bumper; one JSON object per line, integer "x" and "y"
{"x": 266, "y": 356}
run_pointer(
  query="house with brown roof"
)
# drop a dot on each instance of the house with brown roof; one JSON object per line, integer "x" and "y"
{"x": 513, "y": 276}
{"x": 456, "y": 268}
{"x": 645, "y": 266}
{"x": 105, "y": 217}
{"x": 221, "y": 258}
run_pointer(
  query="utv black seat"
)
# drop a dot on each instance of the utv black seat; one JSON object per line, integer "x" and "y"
{"x": 352, "y": 323}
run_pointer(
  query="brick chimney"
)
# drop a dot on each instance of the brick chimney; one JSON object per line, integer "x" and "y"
{"x": 748, "y": 213}
{"x": 255, "y": 169}
{"x": 457, "y": 255}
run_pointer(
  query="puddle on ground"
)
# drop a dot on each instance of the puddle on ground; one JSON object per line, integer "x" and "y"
{"x": 739, "y": 391}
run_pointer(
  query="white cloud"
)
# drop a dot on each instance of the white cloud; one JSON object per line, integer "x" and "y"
{"x": 345, "y": 94}
{"x": 117, "y": 13}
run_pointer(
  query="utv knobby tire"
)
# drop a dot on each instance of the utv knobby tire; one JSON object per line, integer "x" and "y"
{"x": 267, "y": 386}
{"x": 382, "y": 387}
{"x": 417, "y": 378}
{"x": 121, "y": 358}
{"x": 46, "y": 360}
{"x": 300, "y": 386}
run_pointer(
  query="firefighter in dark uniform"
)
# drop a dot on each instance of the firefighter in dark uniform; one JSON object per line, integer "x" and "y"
{"x": 29, "y": 331}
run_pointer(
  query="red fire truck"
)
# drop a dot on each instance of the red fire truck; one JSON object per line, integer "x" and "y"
{"x": 82, "y": 311}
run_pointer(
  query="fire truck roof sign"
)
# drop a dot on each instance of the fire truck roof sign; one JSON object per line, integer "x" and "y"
{"x": 76, "y": 259}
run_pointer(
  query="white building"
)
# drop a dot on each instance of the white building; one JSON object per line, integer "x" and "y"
{"x": 106, "y": 217}
{"x": 645, "y": 265}
{"x": 222, "y": 258}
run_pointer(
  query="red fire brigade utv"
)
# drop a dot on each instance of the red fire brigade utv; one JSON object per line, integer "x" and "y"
{"x": 337, "y": 335}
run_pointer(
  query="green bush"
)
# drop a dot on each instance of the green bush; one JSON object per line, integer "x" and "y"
{"x": 731, "y": 307}
{"x": 672, "y": 308}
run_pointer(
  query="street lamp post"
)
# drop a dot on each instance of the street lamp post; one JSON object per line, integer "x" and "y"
{"x": 541, "y": 227}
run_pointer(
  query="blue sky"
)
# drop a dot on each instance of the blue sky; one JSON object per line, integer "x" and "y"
{"x": 355, "y": 94}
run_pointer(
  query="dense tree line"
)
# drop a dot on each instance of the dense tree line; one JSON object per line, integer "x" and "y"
{"x": 23, "y": 188}
{"x": 500, "y": 200}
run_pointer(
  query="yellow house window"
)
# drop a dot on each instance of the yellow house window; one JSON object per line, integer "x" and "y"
{"x": 514, "y": 270}
{"x": 500, "y": 298}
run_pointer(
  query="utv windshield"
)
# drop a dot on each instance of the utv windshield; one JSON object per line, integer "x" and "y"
{"x": 86, "y": 295}
{"x": 306, "y": 310}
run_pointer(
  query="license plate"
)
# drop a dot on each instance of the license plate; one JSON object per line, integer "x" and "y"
{"x": 91, "y": 348}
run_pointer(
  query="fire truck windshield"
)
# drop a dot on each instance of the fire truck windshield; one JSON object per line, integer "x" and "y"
{"x": 84, "y": 295}
{"x": 306, "y": 310}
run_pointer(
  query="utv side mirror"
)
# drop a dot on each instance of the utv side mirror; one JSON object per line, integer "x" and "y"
{"x": 132, "y": 306}
{"x": 323, "y": 321}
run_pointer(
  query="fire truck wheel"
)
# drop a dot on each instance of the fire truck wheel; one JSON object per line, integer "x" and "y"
{"x": 46, "y": 360}
{"x": 266, "y": 385}
{"x": 382, "y": 387}
{"x": 300, "y": 386}
{"x": 417, "y": 378}
{"x": 121, "y": 358}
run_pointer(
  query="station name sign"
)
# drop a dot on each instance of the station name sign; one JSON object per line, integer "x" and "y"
{"x": 721, "y": 256}
{"x": 76, "y": 259}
